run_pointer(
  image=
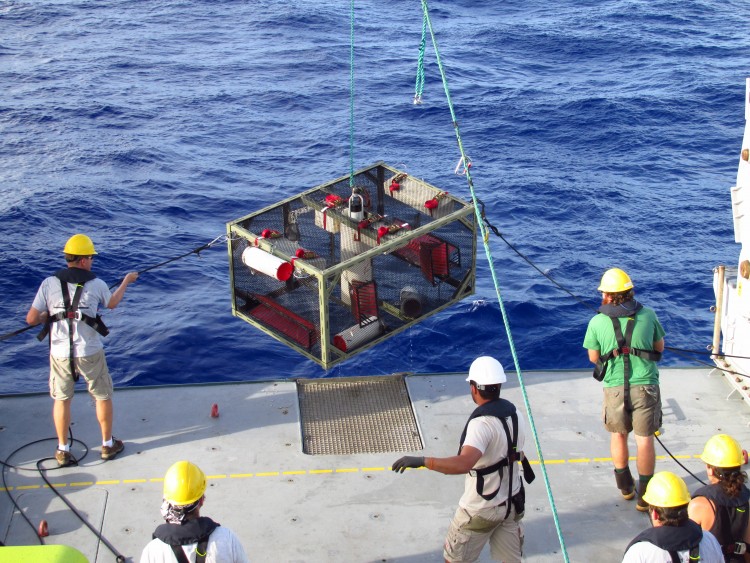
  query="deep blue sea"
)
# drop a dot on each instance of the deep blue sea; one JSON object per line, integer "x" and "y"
{"x": 603, "y": 133}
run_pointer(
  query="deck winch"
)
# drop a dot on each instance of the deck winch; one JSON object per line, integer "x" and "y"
{"x": 347, "y": 264}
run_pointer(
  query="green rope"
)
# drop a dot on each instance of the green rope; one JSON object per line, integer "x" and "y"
{"x": 351, "y": 94}
{"x": 485, "y": 239}
{"x": 419, "y": 86}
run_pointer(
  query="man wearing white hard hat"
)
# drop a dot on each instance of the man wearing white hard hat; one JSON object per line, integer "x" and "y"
{"x": 491, "y": 444}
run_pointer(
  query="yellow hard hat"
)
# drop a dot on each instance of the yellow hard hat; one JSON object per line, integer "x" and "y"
{"x": 722, "y": 451}
{"x": 79, "y": 245}
{"x": 615, "y": 280}
{"x": 184, "y": 483}
{"x": 666, "y": 490}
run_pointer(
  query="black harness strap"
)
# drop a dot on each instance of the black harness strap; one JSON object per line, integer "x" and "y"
{"x": 195, "y": 531}
{"x": 625, "y": 350}
{"x": 71, "y": 308}
{"x": 498, "y": 467}
{"x": 179, "y": 554}
{"x": 673, "y": 539}
{"x": 623, "y": 347}
{"x": 200, "y": 552}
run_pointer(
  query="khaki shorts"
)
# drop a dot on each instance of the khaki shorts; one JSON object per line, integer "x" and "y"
{"x": 92, "y": 368}
{"x": 468, "y": 534}
{"x": 644, "y": 419}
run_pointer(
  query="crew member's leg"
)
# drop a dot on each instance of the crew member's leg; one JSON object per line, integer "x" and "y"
{"x": 61, "y": 389}
{"x": 104, "y": 414}
{"x": 618, "y": 446}
{"x": 61, "y": 418}
{"x": 94, "y": 369}
{"x": 618, "y": 421}
{"x": 646, "y": 421}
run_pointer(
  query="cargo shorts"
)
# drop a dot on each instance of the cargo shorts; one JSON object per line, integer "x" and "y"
{"x": 470, "y": 531}
{"x": 643, "y": 420}
{"x": 91, "y": 368}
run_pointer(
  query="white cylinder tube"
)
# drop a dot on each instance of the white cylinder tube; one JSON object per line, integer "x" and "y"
{"x": 356, "y": 335}
{"x": 266, "y": 263}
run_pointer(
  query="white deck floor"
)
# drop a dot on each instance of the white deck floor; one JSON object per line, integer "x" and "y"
{"x": 290, "y": 507}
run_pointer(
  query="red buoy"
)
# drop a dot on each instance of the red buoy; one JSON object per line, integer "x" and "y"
{"x": 214, "y": 411}
{"x": 43, "y": 530}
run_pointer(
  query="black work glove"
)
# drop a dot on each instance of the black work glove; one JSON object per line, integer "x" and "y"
{"x": 407, "y": 461}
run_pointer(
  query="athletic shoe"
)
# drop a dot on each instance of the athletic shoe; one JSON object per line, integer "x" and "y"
{"x": 110, "y": 452}
{"x": 63, "y": 458}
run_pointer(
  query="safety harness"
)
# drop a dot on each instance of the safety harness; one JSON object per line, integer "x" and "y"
{"x": 628, "y": 309}
{"x": 187, "y": 533}
{"x": 673, "y": 539}
{"x": 501, "y": 409}
{"x": 731, "y": 519}
{"x": 71, "y": 312}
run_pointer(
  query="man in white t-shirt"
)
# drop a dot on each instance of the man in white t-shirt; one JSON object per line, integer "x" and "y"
{"x": 69, "y": 303}
{"x": 673, "y": 537}
{"x": 188, "y": 537}
{"x": 492, "y": 505}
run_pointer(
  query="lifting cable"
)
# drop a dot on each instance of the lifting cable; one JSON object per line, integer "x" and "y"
{"x": 428, "y": 25}
{"x": 351, "y": 94}
{"x": 196, "y": 251}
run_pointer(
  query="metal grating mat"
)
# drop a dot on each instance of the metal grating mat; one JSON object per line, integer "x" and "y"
{"x": 357, "y": 415}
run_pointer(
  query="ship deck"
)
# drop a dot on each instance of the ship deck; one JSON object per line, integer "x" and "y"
{"x": 290, "y": 506}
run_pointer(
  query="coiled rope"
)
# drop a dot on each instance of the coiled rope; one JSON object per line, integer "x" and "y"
{"x": 485, "y": 239}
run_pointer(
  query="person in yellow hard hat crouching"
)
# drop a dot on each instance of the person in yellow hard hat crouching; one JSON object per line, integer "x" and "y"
{"x": 673, "y": 537}
{"x": 624, "y": 341}
{"x": 723, "y": 506}
{"x": 188, "y": 536}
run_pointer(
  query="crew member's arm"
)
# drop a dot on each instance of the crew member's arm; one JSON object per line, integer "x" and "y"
{"x": 594, "y": 356}
{"x": 659, "y": 345}
{"x": 119, "y": 293}
{"x": 35, "y": 316}
{"x": 455, "y": 465}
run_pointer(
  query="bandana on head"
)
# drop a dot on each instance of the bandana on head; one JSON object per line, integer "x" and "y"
{"x": 174, "y": 514}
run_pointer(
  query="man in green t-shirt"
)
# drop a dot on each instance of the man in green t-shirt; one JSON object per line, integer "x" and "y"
{"x": 624, "y": 341}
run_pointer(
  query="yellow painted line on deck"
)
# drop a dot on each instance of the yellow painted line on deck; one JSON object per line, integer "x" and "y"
{"x": 570, "y": 461}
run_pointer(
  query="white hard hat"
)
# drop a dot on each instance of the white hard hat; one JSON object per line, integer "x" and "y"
{"x": 486, "y": 370}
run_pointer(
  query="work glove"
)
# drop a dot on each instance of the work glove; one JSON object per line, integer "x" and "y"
{"x": 407, "y": 461}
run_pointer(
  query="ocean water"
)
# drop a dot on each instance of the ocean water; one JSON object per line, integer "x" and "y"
{"x": 603, "y": 133}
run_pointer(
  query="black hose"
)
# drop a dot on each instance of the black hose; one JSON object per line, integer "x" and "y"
{"x": 42, "y": 472}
